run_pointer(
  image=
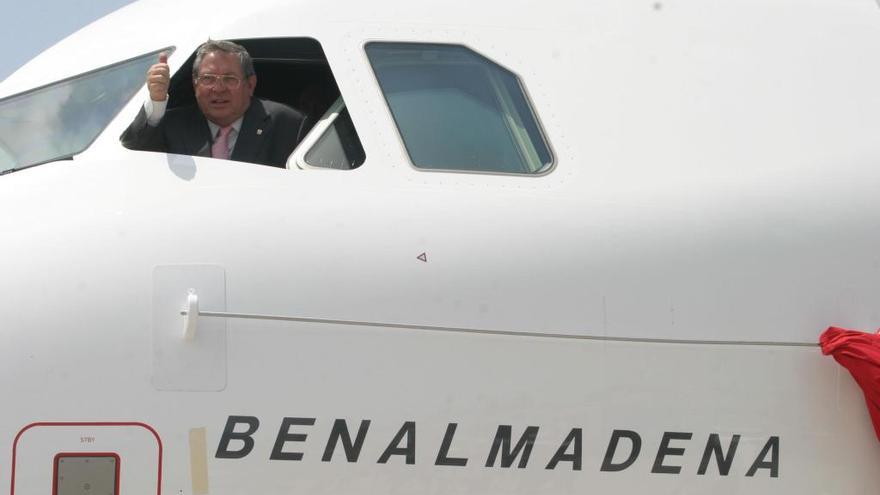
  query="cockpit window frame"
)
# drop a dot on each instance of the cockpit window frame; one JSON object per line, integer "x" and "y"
{"x": 547, "y": 169}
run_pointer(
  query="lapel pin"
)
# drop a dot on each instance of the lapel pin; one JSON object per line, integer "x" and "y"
{"x": 259, "y": 132}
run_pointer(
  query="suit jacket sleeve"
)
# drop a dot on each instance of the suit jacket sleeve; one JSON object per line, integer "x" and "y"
{"x": 141, "y": 136}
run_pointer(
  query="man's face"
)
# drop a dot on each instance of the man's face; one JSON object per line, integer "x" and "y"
{"x": 220, "y": 103}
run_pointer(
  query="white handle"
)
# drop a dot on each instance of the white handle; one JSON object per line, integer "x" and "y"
{"x": 191, "y": 319}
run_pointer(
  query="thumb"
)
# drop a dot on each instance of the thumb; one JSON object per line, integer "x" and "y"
{"x": 163, "y": 58}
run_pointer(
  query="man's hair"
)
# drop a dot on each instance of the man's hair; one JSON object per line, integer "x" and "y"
{"x": 247, "y": 64}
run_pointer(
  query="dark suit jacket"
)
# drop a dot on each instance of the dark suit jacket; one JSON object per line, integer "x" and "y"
{"x": 269, "y": 133}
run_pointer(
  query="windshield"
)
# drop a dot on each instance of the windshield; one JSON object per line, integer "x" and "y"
{"x": 62, "y": 119}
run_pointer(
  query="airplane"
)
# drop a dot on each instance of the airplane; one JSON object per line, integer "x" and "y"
{"x": 570, "y": 247}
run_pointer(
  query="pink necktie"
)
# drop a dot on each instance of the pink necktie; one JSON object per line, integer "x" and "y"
{"x": 220, "y": 148}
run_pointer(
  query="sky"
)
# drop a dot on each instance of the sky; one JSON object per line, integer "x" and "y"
{"x": 31, "y": 26}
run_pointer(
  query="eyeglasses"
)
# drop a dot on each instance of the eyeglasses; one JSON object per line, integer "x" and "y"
{"x": 212, "y": 80}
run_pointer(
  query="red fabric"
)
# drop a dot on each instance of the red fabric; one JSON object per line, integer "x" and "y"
{"x": 859, "y": 353}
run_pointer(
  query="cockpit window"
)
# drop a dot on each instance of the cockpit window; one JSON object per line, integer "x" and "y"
{"x": 294, "y": 92}
{"x": 457, "y": 110}
{"x": 62, "y": 119}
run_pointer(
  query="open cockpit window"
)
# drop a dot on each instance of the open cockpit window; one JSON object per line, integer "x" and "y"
{"x": 62, "y": 119}
{"x": 292, "y": 72}
{"x": 457, "y": 110}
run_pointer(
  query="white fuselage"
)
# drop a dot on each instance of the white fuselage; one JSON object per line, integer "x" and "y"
{"x": 711, "y": 208}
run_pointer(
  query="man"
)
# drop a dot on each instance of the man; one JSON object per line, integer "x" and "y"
{"x": 227, "y": 123}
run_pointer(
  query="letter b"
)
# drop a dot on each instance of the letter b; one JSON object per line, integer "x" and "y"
{"x": 229, "y": 434}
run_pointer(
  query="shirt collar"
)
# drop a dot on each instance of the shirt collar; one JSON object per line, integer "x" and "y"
{"x": 236, "y": 126}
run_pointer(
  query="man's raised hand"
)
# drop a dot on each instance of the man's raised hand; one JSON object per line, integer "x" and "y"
{"x": 158, "y": 78}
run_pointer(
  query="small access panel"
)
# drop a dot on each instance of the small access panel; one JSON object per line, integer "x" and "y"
{"x": 79, "y": 473}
